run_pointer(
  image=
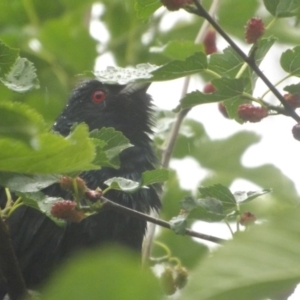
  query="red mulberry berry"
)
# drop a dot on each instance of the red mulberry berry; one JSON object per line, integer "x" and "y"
{"x": 209, "y": 42}
{"x": 247, "y": 218}
{"x": 253, "y": 114}
{"x": 255, "y": 28}
{"x": 209, "y": 88}
{"x": 66, "y": 210}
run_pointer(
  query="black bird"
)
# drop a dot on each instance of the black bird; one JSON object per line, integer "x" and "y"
{"x": 41, "y": 245}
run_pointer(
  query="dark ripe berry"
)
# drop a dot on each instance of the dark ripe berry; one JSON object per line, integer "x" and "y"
{"x": 176, "y": 4}
{"x": 247, "y": 218}
{"x": 251, "y": 113}
{"x": 255, "y": 28}
{"x": 181, "y": 277}
{"x": 296, "y": 132}
{"x": 167, "y": 281}
{"x": 292, "y": 99}
{"x": 209, "y": 88}
{"x": 223, "y": 110}
{"x": 209, "y": 42}
{"x": 66, "y": 210}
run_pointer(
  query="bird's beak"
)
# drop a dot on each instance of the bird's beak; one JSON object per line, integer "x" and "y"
{"x": 134, "y": 87}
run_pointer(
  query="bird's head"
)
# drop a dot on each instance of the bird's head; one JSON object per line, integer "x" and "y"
{"x": 127, "y": 108}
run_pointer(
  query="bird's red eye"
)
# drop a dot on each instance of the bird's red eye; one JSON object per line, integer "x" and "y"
{"x": 98, "y": 96}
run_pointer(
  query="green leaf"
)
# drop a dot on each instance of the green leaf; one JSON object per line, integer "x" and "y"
{"x": 290, "y": 61}
{"x": 244, "y": 197}
{"x": 54, "y": 154}
{"x": 22, "y": 76}
{"x": 155, "y": 176}
{"x": 178, "y": 224}
{"x": 226, "y": 64}
{"x": 208, "y": 210}
{"x": 8, "y": 56}
{"x": 188, "y": 203}
{"x": 212, "y": 205}
{"x": 115, "y": 141}
{"x": 110, "y": 143}
{"x": 101, "y": 158}
{"x": 122, "y": 184}
{"x": 178, "y": 68}
{"x": 229, "y": 88}
{"x": 229, "y": 63}
{"x": 236, "y": 271}
{"x": 221, "y": 193}
{"x": 293, "y": 88}
{"x": 263, "y": 47}
{"x": 31, "y": 198}
{"x": 282, "y": 8}
{"x": 145, "y": 8}
{"x": 26, "y": 183}
{"x": 226, "y": 89}
{"x": 108, "y": 267}
{"x": 179, "y": 49}
{"x": 43, "y": 203}
{"x": 205, "y": 209}
{"x": 18, "y": 121}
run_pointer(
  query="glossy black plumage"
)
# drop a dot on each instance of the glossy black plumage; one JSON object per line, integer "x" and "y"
{"x": 39, "y": 244}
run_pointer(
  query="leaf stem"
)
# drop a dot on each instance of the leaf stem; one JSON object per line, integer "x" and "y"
{"x": 9, "y": 201}
{"x": 229, "y": 227}
{"x": 213, "y": 73}
{"x": 165, "y": 247}
{"x": 241, "y": 70}
{"x": 271, "y": 24}
{"x": 276, "y": 84}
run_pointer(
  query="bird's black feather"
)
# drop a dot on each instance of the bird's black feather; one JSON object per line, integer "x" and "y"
{"x": 40, "y": 245}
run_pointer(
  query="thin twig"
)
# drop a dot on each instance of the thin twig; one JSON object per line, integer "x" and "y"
{"x": 128, "y": 211}
{"x": 250, "y": 61}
